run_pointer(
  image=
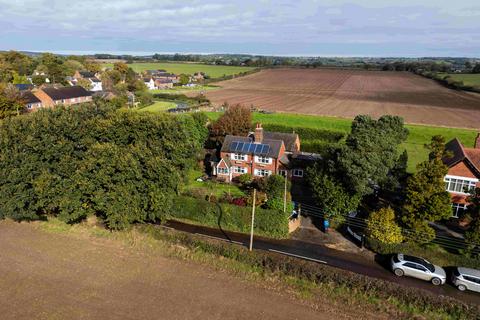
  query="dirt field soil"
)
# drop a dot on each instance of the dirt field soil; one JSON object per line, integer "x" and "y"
{"x": 347, "y": 93}
{"x": 56, "y": 276}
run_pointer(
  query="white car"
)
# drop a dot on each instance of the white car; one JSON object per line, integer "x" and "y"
{"x": 466, "y": 279}
{"x": 418, "y": 268}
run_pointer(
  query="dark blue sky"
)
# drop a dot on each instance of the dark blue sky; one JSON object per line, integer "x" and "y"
{"x": 328, "y": 28}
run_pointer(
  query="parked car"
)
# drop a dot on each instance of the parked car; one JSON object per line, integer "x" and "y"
{"x": 466, "y": 279}
{"x": 418, "y": 268}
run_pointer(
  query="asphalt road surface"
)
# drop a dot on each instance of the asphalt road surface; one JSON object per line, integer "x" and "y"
{"x": 320, "y": 254}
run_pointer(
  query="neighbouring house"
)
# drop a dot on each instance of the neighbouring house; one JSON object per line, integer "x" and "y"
{"x": 162, "y": 83}
{"x": 105, "y": 95}
{"x": 95, "y": 82}
{"x": 261, "y": 154}
{"x": 463, "y": 173}
{"x": 198, "y": 76}
{"x": 52, "y": 96}
{"x": 31, "y": 101}
{"x": 150, "y": 83}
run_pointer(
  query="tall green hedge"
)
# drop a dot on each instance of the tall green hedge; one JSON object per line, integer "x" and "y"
{"x": 124, "y": 167}
{"x": 307, "y": 133}
{"x": 269, "y": 223}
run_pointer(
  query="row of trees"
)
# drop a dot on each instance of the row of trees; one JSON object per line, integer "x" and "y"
{"x": 123, "y": 167}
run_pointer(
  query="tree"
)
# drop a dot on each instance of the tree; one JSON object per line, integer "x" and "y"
{"x": 54, "y": 67}
{"x": 426, "y": 198}
{"x": 184, "y": 79}
{"x": 476, "y": 69}
{"x": 122, "y": 68}
{"x": 370, "y": 153}
{"x": 235, "y": 121}
{"x": 334, "y": 200}
{"x": 11, "y": 102}
{"x": 85, "y": 83}
{"x": 381, "y": 226}
{"x": 472, "y": 236}
{"x": 19, "y": 79}
{"x": 73, "y": 65}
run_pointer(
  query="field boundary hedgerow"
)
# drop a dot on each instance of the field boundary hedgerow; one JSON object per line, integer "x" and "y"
{"x": 419, "y": 135}
{"x": 308, "y": 280}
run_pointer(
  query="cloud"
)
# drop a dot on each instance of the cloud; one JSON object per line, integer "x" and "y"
{"x": 426, "y": 26}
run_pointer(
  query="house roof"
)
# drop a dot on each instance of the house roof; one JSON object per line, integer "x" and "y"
{"x": 288, "y": 139}
{"x": 94, "y": 79}
{"x": 87, "y": 74}
{"x": 459, "y": 153}
{"x": 246, "y": 145}
{"x": 66, "y": 92}
{"x": 24, "y": 86}
{"x": 29, "y": 97}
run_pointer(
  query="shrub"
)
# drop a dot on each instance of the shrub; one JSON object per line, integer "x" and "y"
{"x": 307, "y": 133}
{"x": 270, "y": 223}
{"x": 245, "y": 180}
{"x": 381, "y": 226}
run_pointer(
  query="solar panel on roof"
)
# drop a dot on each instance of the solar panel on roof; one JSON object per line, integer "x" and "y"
{"x": 245, "y": 147}
{"x": 258, "y": 148}
{"x": 233, "y": 145}
{"x": 239, "y": 146}
{"x": 251, "y": 148}
{"x": 265, "y": 149}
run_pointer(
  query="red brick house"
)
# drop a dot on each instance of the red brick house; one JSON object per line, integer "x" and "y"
{"x": 463, "y": 173}
{"x": 261, "y": 154}
{"x": 66, "y": 96}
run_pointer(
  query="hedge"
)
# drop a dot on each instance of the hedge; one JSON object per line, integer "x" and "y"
{"x": 269, "y": 223}
{"x": 409, "y": 297}
{"x": 307, "y": 133}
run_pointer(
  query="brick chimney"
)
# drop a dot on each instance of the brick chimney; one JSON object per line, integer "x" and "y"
{"x": 259, "y": 133}
{"x": 477, "y": 141}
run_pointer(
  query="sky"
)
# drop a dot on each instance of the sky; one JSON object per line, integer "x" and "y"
{"x": 411, "y": 28}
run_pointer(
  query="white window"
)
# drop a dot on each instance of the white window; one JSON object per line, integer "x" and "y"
{"x": 283, "y": 173}
{"x": 29, "y": 106}
{"x": 222, "y": 171}
{"x": 458, "y": 209}
{"x": 262, "y": 172}
{"x": 265, "y": 160}
{"x": 241, "y": 170}
{"x": 298, "y": 173}
{"x": 459, "y": 185}
{"x": 239, "y": 157}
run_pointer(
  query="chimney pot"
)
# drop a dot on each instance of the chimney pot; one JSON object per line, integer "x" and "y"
{"x": 259, "y": 133}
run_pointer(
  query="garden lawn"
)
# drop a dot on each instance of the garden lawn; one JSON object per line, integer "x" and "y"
{"x": 188, "y": 68}
{"x": 418, "y": 137}
{"x": 159, "y": 106}
{"x": 210, "y": 187}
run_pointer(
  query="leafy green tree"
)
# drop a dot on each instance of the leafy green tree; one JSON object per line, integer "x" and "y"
{"x": 11, "y": 103}
{"x": 73, "y": 65}
{"x": 54, "y": 66}
{"x": 476, "y": 68}
{"x": 84, "y": 83}
{"x": 381, "y": 226}
{"x": 371, "y": 152}
{"x": 330, "y": 195}
{"x": 19, "y": 79}
{"x": 472, "y": 236}
{"x": 184, "y": 79}
{"x": 426, "y": 198}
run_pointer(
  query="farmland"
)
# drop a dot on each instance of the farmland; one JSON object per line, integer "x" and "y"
{"x": 159, "y": 106}
{"x": 347, "y": 93}
{"x": 418, "y": 136}
{"x": 468, "y": 79}
{"x": 187, "y": 68}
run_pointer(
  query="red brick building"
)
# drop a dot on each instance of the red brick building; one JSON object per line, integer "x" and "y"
{"x": 261, "y": 154}
{"x": 463, "y": 173}
{"x": 66, "y": 96}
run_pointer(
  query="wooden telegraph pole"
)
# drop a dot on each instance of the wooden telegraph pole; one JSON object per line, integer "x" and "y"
{"x": 253, "y": 219}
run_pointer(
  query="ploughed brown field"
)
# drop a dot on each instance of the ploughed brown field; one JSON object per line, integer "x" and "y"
{"x": 347, "y": 93}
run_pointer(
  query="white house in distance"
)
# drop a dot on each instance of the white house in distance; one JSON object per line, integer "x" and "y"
{"x": 150, "y": 83}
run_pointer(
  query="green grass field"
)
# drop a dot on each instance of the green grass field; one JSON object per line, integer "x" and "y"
{"x": 187, "y": 68}
{"x": 468, "y": 79}
{"x": 418, "y": 137}
{"x": 158, "y": 106}
{"x": 184, "y": 90}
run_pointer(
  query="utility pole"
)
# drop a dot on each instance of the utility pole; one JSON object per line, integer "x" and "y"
{"x": 253, "y": 219}
{"x": 285, "y": 195}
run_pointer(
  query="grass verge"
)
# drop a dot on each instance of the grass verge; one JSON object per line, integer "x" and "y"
{"x": 310, "y": 282}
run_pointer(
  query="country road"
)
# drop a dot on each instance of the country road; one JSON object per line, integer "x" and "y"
{"x": 338, "y": 259}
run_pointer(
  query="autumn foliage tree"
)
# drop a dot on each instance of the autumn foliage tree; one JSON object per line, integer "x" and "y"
{"x": 382, "y": 227}
{"x": 236, "y": 120}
